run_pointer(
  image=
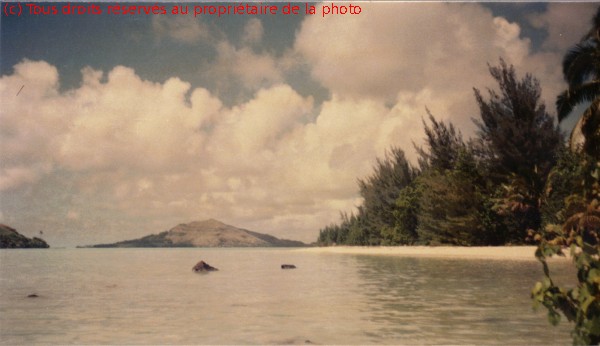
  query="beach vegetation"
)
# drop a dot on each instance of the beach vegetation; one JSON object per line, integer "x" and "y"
{"x": 484, "y": 191}
{"x": 576, "y": 228}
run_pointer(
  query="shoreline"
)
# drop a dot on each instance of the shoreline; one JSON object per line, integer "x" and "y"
{"x": 517, "y": 253}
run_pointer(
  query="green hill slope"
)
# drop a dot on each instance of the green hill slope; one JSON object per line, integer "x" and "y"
{"x": 208, "y": 233}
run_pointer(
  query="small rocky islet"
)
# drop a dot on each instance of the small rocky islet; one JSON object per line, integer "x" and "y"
{"x": 11, "y": 239}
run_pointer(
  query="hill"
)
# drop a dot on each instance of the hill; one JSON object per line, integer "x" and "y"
{"x": 208, "y": 233}
{"x": 11, "y": 239}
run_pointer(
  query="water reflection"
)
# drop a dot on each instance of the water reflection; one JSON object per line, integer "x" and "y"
{"x": 151, "y": 296}
{"x": 453, "y": 301}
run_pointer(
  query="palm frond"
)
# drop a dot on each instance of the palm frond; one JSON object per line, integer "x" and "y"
{"x": 568, "y": 99}
{"x": 590, "y": 128}
{"x": 581, "y": 63}
{"x": 564, "y": 105}
{"x": 594, "y": 32}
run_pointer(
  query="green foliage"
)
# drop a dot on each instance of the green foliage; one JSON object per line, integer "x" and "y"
{"x": 339, "y": 234}
{"x": 564, "y": 182}
{"x": 518, "y": 142}
{"x": 359, "y": 233}
{"x": 443, "y": 144}
{"x": 380, "y": 191}
{"x": 518, "y": 135}
{"x": 519, "y": 208}
{"x": 483, "y": 192}
{"x": 376, "y": 222}
{"x": 580, "y": 234}
{"x": 328, "y": 235}
{"x": 450, "y": 205}
{"x": 404, "y": 230}
{"x": 494, "y": 226}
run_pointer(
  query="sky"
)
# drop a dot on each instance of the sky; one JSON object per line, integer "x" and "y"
{"x": 113, "y": 127}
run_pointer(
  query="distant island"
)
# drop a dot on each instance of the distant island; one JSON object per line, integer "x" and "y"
{"x": 208, "y": 233}
{"x": 11, "y": 239}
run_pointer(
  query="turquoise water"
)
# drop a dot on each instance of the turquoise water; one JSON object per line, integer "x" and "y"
{"x": 151, "y": 296}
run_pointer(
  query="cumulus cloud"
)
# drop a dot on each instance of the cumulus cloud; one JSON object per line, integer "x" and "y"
{"x": 253, "y": 31}
{"x": 117, "y": 123}
{"x": 28, "y": 132}
{"x": 184, "y": 28}
{"x": 426, "y": 55}
{"x": 237, "y": 73}
{"x": 386, "y": 50}
{"x": 243, "y": 65}
{"x": 14, "y": 177}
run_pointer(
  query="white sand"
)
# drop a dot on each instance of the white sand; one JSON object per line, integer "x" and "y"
{"x": 518, "y": 253}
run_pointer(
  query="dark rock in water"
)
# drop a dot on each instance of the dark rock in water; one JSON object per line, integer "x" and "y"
{"x": 204, "y": 267}
{"x": 33, "y": 295}
{"x": 288, "y": 266}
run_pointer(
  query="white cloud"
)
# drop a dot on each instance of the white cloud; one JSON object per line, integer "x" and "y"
{"x": 184, "y": 28}
{"x": 253, "y": 31}
{"x": 15, "y": 177}
{"x": 260, "y": 124}
{"x": 412, "y": 56}
{"x": 244, "y": 66}
{"x": 418, "y": 55}
{"x": 30, "y": 120}
{"x": 390, "y": 48}
{"x": 120, "y": 122}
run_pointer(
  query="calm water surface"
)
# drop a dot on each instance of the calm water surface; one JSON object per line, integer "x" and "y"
{"x": 151, "y": 296}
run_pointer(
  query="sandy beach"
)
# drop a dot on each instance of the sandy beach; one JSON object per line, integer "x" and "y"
{"x": 517, "y": 253}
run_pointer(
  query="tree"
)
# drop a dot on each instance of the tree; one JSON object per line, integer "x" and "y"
{"x": 518, "y": 141}
{"x": 563, "y": 181}
{"x": 360, "y": 231}
{"x": 448, "y": 189}
{"x": 380, "y": 192}
{"x": 451, "y": 203}
{"x": 337, "y": 234}
{"x": 581, "y": 69}
{"x": 406, "y": 217}
{"x": 443, "y": 143}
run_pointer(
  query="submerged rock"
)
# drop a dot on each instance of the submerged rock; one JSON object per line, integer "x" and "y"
{"x": 204, "y": 267}
{"x": 288, "y": 266}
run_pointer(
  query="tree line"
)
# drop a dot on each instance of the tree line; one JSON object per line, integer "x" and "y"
{"x": 487, "y": 190}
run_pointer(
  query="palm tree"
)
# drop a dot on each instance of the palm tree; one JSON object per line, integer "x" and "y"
{"x": 581, "y": 69}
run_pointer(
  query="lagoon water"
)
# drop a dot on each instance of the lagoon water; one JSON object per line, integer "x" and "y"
{"x": 151, "y": 296}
